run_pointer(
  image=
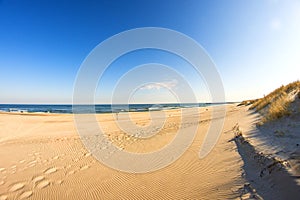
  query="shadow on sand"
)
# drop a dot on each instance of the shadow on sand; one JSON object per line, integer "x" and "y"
{"x": 267, "y": 177}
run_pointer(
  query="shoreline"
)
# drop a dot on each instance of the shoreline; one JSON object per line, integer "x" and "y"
{"x": 106, "y": 108}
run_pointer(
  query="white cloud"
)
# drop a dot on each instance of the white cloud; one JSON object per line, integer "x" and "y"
{"x": 166, "y": 84}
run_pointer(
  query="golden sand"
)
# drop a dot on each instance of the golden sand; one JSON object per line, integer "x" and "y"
{"x": 42, "y": 157}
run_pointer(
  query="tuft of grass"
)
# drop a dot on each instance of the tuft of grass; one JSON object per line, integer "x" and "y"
{"x": 276, "y": 104}
{"x": 236, "y": 130}
{"x": 247, "y": 102}
{"x": 278, "y": 108}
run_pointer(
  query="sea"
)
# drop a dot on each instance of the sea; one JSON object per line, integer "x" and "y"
{"x": 98, "y": 108}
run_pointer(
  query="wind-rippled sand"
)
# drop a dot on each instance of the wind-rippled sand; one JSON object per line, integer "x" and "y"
{"x": 42, "y": 157}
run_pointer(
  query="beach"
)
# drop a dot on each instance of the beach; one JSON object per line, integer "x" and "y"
{"x": 43, "y": 157}
{"x": 142, "y": 100}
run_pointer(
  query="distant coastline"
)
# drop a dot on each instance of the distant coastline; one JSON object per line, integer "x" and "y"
{"x": 98, "y": 108}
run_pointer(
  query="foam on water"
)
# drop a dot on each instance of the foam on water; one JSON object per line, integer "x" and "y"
{"x": 99, "y": 108}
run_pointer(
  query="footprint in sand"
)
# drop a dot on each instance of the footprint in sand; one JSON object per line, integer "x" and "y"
{"x": 71, "y": 172}
{"x": 26, "y": 194}
{"x": 93, "y": 161}
{"x": 87, "y": 154}
{"x": 55, "y": 158}
{"x": 59, "y": 182}
{"x": 43, "y": 184}
{"x": 2, "y": 169}
{"x": 13, "y": 171}
{"x": 50, "y": 170}
{"x": 3, "y": 197}
{"x": 104, "y": 147}
{"x": 84, "y": 167}
{"x": 68, "y": 167}
{"x": 16, "y": 187}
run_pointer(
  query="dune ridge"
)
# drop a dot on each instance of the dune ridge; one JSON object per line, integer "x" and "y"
{"x": 273, "y": 143}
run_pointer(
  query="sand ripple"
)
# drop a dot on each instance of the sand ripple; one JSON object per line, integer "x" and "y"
{"x": 16, "y": 187}
{"x": 50, "y": 170}
{"x": 43, "y": 184}
{"x": 26, "y": 194}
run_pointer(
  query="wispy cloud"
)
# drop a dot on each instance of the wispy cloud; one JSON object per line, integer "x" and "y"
{"x": 166, "y": 84}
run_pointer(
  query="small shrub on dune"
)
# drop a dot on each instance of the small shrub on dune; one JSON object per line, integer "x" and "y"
{"x": 247, "y": 102}
{"x": 262, "y": 103}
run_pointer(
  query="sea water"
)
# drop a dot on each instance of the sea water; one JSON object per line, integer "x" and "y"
{"x": 98, "y": 108}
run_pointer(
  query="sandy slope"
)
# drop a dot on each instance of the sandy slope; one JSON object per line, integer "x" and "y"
{"x": 271, "y": 153}
{"x": 42, "y": 157}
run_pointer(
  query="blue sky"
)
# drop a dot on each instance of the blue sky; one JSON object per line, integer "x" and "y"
{"x": 255, "y": 45}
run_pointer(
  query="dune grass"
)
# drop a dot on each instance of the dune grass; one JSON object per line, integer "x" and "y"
{"x": 278, "y": 108}
{"x": 247, "y": 102}
{"x": 276, "y": 104}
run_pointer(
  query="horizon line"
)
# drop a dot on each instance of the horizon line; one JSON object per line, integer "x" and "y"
{"x": 120, "y": 103}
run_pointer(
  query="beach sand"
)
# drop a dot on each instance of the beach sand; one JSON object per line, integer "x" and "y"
{"x": 42, "y": 157}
